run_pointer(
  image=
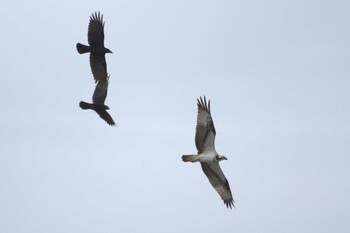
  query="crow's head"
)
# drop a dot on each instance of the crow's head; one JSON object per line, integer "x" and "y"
{"x": 108, "y": 51}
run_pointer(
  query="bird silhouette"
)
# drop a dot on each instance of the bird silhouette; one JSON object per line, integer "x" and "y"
{"x": 96, "y": 47}
{"x": 207, "y": 155}
{"x": 98, "y": 67}
{"x": 98, "y": 101}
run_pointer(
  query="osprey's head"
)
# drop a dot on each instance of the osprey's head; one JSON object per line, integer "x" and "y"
{"x": 220, "y": 157}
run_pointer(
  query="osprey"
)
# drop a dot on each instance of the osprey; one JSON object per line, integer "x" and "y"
{"x": 207, "y": 155}
{"x": 96, "y": 47}
{"x": 98, "y": 101}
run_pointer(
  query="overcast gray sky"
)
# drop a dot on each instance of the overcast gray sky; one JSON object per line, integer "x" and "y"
{"x": 277, "y": 74}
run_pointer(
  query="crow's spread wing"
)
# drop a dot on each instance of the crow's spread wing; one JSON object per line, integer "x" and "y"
{"x": 96, "y": 30}
{"x": 100, "y": 92}
{"x": 98, "y": 67}
{"x": 105, "y": 116}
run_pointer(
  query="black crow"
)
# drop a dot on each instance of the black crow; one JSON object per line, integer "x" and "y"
{"x": 96, "y": 47}
{"x": 98, "y": 101}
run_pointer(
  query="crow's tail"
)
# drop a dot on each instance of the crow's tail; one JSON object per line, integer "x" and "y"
{"x": 83, "y": 48}
{"x": 85, "y": 105}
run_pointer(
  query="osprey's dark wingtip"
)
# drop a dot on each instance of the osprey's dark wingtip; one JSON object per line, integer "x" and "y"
{"x": 230, "y": 204}
{"x": 202, "y": 103}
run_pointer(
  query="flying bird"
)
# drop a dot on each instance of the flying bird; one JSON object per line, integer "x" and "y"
{"x": 98, "y": 101}
{"x": 96, "y": 47}
{"x": 207, "y": 155}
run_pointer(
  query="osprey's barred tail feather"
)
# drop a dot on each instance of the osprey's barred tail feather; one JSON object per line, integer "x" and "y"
{"x": 85, "y": 105}
{"x": 83, "y": 48}
{"x": 189, "y": 158}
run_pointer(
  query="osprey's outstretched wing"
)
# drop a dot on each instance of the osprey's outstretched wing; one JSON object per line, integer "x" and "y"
{"x": 218, "y": 180}
{"x": 205, "y": 130}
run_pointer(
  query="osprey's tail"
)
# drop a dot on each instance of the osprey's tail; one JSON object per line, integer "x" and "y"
{"x": 85, "y": 105}
{"x": 83, "y": 48}
{"x": 189, "y": 158}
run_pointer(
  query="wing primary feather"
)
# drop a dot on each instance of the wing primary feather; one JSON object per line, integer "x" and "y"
{"x": 209, "y": 107}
